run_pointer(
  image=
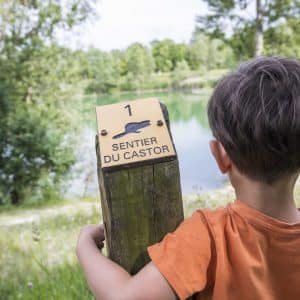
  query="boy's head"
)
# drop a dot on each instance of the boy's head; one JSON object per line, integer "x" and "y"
{"x": 255, "y": 114}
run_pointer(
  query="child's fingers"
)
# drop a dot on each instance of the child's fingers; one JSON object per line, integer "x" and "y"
{"x": 99, "y": 243}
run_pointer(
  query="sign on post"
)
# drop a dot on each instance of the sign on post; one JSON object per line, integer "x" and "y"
{"x": 138, "y": 174}
{"x": 133, "y": 132}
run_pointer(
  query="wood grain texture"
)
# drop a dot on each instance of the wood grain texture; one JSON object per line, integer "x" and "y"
{"x": 140, "y": 204}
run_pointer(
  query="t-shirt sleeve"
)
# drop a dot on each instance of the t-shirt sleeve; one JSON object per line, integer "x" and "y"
{"x": 183, "y": 256}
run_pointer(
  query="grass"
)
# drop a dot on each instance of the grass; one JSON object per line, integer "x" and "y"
{"x": 37, "y": 259}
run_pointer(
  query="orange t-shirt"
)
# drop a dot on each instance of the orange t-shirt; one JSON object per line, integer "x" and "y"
{"x": 232, "y": 253}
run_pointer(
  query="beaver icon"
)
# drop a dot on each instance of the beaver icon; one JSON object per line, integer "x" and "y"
{"x": 133, "y": 127}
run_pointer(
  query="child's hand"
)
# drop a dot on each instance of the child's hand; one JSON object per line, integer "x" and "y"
{"x": 107, "y": 280}
{"x": 92, "y": 232}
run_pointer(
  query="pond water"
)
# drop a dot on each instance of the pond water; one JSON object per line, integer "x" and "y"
{"x": 191, "y": 134}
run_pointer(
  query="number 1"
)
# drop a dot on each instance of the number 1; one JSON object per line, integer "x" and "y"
{"x": 129, "y": 109}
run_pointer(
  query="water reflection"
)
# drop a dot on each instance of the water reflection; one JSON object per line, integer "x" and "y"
{"x": 191, "y": 135}
{"x": 197, "y": 166}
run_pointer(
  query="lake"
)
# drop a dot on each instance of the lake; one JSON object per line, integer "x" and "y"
{"x": 191, "y": 134}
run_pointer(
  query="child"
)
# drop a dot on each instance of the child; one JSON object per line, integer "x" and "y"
{"x": 251, "y": 248}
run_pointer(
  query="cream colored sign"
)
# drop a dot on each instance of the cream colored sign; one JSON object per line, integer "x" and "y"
{"x": 131, "y": 132}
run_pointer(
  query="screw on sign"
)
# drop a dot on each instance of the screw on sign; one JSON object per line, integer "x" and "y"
{"x": 160, "y": 123}
{"x": 103, "y": 132}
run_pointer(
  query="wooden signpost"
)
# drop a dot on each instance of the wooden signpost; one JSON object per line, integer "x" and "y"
{"x": 139, "y": 179}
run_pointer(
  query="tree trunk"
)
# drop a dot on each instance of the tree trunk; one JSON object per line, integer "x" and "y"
{"x": 259, "y": 38}
{"x": 15, "y": 197}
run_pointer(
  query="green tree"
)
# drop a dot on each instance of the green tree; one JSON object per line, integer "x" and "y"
{"x": 181, "y": 70}
{"x": 139, "y": 60}
{"x": 267, "y": 14}
{"x": 35, "y": 85}
{"x": 103, "y": 68}
{"x": 139, "y": 65}
{"x": 207, "y": 53}
{"x": 241, "y": 42}
{"x": 284, "y": 39}
{"x": 167, "y": 54}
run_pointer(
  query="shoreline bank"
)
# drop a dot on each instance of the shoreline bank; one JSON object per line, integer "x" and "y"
{"x": 191, "y": 202}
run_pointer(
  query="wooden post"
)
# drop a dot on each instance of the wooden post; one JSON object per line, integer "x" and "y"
{"x": 141, "y": 202}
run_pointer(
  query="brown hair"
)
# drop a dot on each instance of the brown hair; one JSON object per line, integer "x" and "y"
{"x": 255, "y": 114}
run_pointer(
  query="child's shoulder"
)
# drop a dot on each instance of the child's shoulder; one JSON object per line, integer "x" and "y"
{"x": 238, "y": 218}
{"x": 214, "y": 215}
{"x": 234, "y": 214}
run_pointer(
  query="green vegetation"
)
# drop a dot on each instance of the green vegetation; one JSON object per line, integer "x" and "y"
{"x": 36, "y": 79}
{"x": 162, "y": 66}
{"x": 252, "y": 25}
{"x": 37, "y": 258}
{"x": 42, "y": 84}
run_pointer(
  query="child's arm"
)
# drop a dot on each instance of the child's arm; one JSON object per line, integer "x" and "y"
{"x": 109, "y": 281}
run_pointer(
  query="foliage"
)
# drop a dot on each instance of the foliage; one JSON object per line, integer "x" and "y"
{"x": 246, "y": 22}
{"x": 35, "y": 78}
{"x": 167, "y": 53}
{"x": 38, "y": 257}
{"x": 161, "y": 66}
{"x": 138, "y": 60}
{"x": 242, "y": 43}
{"x": 139, "y": 65}
{"x": 284, "y": 39}
{"x": 208, "y": 53}
{"x": 181, "y": 70}
{"x": 33, "y": 152}
{"x": 103, "y": 68}
{"x": 113, "y": 70}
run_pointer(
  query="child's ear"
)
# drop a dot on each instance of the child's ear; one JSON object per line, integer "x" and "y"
{"x": 220, "y": 155}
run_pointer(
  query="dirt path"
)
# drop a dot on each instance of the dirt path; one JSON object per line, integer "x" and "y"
{"x": 34, "y": 215}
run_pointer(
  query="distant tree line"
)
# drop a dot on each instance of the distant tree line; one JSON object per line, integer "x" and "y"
{"x": 164, "y": 63}
{"x": 157, "y": 66}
